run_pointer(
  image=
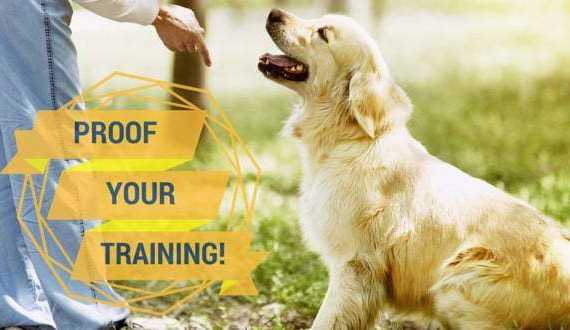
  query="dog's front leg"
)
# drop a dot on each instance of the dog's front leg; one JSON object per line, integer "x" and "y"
{"x": 353, "y": 298}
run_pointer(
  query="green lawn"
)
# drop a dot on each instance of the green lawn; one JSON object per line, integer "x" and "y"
{"x": 491, "y": 88}
{"x": 517, "y": 139}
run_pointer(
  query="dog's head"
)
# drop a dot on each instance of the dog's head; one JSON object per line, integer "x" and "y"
{"x": 332, "y": 59}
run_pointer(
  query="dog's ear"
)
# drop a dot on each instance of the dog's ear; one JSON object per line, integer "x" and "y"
{"x": 376, "y": 102}
{"x": 365, "y": 101}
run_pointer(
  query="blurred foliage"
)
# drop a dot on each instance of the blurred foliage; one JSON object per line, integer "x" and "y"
{"x": 512, "y": 131}
{"x": 460, "y": 6}
{"x": 258, "y": 3}
{"x": 447, "y": 6}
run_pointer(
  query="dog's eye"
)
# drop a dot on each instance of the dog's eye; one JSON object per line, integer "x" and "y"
{"x": 323, "y": 33}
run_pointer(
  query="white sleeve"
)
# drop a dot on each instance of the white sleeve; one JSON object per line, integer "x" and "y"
{"x": 134, "y": 11}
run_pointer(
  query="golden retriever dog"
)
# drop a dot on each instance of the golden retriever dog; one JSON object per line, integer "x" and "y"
{"x": 399, "y": 230}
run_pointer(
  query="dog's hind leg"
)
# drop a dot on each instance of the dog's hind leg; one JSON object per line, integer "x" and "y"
{"x": 461, "y": 314}
{"x": 471, "y": 283}
{"x": 353, "y": 298}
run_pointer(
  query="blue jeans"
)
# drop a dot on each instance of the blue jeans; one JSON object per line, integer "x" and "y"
{"x": 38, "y": 70}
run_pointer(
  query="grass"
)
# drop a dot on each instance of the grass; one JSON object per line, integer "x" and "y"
{"x": 501, "y": 121}
{"x": 513, "y": 133}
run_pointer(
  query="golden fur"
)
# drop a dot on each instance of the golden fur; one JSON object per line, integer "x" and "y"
{"x": 400, "y": 230}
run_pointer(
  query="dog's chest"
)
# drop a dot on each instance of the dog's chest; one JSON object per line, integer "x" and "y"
{"x": 330, "y": 202}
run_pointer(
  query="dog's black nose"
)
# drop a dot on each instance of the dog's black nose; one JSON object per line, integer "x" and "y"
{"x": 275, "y": 16}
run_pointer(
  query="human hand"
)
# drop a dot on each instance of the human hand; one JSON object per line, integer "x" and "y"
{"x": 179, "y": 30}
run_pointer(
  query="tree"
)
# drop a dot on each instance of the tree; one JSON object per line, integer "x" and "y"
{"x": 377, "y": 11}
{"x": 337, "y": 6}
{"x": 378, "y": 8}
{"x": 188, "y": 68}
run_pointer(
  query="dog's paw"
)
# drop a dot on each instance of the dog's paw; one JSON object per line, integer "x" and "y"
{"x": 402, "y": 324}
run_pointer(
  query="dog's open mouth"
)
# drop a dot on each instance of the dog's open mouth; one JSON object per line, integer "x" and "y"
{"x": 283, "y": 66}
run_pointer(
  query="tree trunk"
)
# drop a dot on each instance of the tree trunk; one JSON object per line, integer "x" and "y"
{"x": 188, "y": 67}
{"x": 337, "y": 6}
{"x": 280, "y": 3}
{"x": 378, "y": 8}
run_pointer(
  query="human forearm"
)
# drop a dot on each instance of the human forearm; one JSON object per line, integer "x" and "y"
{"x": 135, "y": 11}
{"x": 179, "y": 30}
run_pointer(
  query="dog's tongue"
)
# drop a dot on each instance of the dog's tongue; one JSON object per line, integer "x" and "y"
{"x": 279, "y": 60}
{"x": 282, "y": 66}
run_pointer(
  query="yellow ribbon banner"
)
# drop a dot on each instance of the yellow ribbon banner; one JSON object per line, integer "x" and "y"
{"x": 138, "y": 195}
{"x": 105, "y": 134}
{"x": 130, "y": 176}
{"x": 147, "y": 256}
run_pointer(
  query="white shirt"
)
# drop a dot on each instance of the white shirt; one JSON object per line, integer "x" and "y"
{"x": 141, "y": 12}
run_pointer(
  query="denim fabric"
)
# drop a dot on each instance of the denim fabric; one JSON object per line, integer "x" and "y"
{"x": 38, "y": 72}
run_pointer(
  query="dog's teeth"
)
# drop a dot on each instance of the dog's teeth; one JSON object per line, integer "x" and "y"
{"x": 299, "y": 67}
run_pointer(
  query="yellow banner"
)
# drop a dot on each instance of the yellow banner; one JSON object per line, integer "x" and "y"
{"x": 169, "y": 256}
{"x": 104, "y": 134}
{"x": 128, "y": 174}
{"x": 138, "y": 195}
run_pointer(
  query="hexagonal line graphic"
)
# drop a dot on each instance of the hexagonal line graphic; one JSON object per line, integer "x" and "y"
{"x": 79, "y": 98}
{"x": 31, "y": 236}
{"x": 164, "y": 293}
{"x": 136, "y": 288}
{"x": 249, "y": 206}
{"x": 161, "y": 293}
{"x": 107, "y": 97}
{"x": 167, "y": 86}
{"x": 50, "y": 260}
{"x": 150, "y": 99}
{"x": 111, "y": 301}
{"x": 42, "y": 223}
{"x": 229, "y": 129}
{"x": 176, "y": 305}
{"x": 246, "y": 149}
{"x": 201, "y": 287}
{"x": 233, "y": 136}
{"x": 111, "y": 95}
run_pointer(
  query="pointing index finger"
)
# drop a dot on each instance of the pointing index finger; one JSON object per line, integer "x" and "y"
{"x": 203, "y": 49}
